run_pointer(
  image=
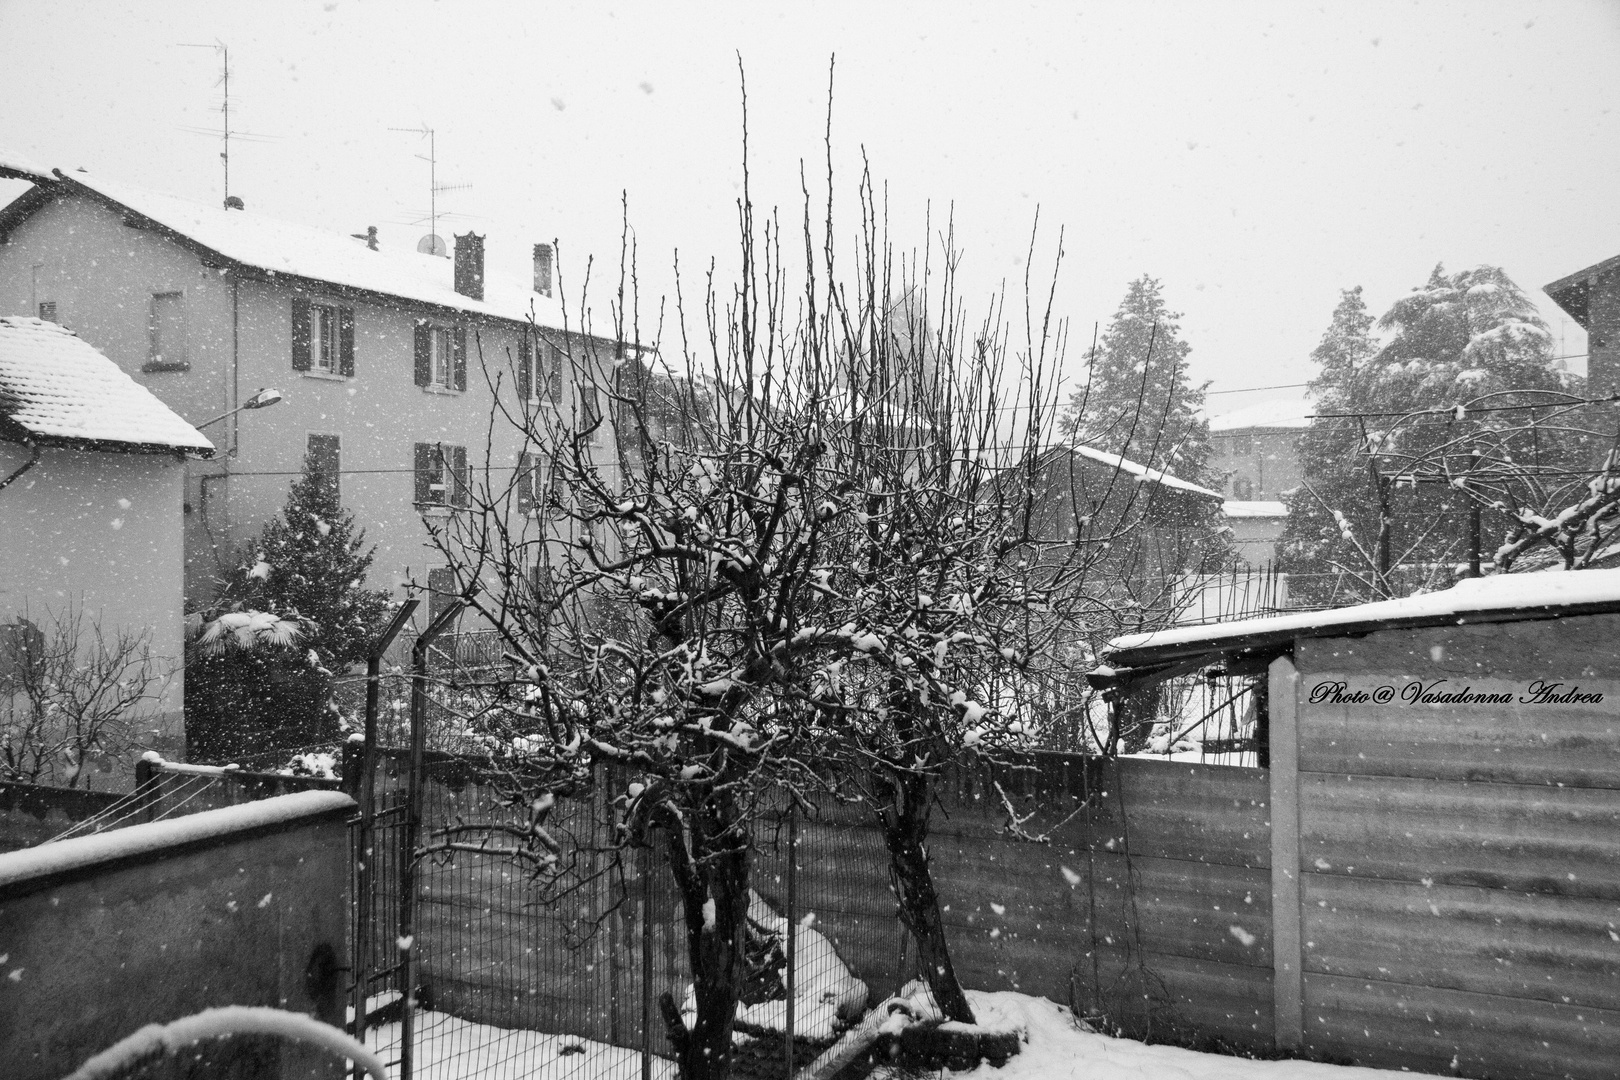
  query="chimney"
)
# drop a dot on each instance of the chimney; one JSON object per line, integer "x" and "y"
{"x": 470, "y": 265}
{"x": 542, "y": 269}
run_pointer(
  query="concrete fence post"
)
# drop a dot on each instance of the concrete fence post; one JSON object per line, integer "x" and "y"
{"x": 1287, "y": 954}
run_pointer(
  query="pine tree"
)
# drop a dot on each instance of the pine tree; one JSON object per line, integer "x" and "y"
{"x": 1457, "y": 338}
{"x": 1138, "y": 400}
{"x": 260, "y": 702}
{"x": 312, "y": 562}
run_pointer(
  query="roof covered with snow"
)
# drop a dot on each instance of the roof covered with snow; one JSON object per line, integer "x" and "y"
{"x": 14, "y": 166}
{"x": 1140, "y": 471}
{"x": 1487, "y": 599}
{"x": 1254, "y": 508}
{"x": 56, "y": 387}
{"x": 1265, "y": 414}
{"x": 280, "y": 247}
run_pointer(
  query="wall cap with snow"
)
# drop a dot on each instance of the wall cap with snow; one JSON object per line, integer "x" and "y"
{"x": 33, "y": 869}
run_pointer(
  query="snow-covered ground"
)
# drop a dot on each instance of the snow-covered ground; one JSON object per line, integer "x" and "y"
{"x": 1054, "y": 1049}
{"x": 449, "y": 1048}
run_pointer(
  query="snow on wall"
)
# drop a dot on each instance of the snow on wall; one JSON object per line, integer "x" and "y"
{"x": 93, "y": 956}
{"x": 153, "y": 838}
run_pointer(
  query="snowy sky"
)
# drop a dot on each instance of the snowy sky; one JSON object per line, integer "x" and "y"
{"x": 1257, "y": 157}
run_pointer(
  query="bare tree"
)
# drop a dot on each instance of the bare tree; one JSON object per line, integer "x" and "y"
{"x": 796, "y": 554}
{"x": 70, "y": 691}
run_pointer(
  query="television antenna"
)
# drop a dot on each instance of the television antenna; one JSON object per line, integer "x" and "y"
{"x": 225, "y": 131}
{"x": 432, "y": 243}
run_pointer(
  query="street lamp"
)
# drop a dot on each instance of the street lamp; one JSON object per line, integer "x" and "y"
{"x": 266, "y": 397}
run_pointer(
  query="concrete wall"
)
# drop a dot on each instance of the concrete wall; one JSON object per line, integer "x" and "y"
{"x": 100, "y": 534}
{"x": 102, "y": 274}
{"x": 107, "y": 933}
{"x": 1456, "y": 907}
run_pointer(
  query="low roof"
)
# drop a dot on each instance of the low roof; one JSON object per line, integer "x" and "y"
{"x": 1500, "y": 598}
{"x": 57, "y": 389}
{"x": 1140, "y": 471}
{"x": 14, "y": 166}
{"x": 1254, "y": 508}
{"x": 282, "y": 249}
{"x": 1293, "y": 413}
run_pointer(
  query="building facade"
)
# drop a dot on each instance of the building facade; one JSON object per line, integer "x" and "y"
{"x": 398, "y": 371}
{"x": 92, "y": 481}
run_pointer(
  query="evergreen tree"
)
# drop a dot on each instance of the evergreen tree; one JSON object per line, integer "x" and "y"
{"x": 257, "y": 698}
{"x": 312, "y": 562}
{"x": 1452, "y": 341}
{"x": 1138, "y": 400}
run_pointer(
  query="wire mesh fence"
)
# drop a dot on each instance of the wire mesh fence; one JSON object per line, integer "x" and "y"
{"x": 560, "y": 977}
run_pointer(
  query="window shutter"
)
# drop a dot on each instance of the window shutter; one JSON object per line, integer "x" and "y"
{"x": 425, "y": 453}
{"x": 525, "y": 380}
{"x": 459, "y": 358}
{"x": 424, "y": 355}
{"x": 462, "y": 493}
{"x": 554, "y": 382}
{"x": 526, "y": 484}
{"x": 300, "y": 333}
{"x": 345, "y": 341}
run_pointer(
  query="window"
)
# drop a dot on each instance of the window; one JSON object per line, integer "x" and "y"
{"x": 47, "y": 310}
{"x": 540, "y": 366}
{"x": 167, "y": 330}
{"x": 540, "y": 487}
{"x": 442, "y": 477}
{"x": 441, "y": 356}
{"x": 322, "y": 337}
{"x": 323, "y": 455}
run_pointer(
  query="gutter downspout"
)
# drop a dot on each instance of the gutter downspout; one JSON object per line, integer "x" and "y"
{"x": 33, "y": 459}
{"x": 236, "y": 360}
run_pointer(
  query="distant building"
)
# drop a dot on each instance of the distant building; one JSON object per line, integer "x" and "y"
{"x": 1256, "y": 525}
{"x": 93, "y": 469}
{"x": 1592, "y": 298}
{"x": 1255, "y": 449}
{"x": 388, "y": 360}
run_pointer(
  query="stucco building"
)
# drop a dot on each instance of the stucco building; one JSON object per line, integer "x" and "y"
{"x": 1255, "y": 451}
{"x": 389, "y": 362}
{"x": 92, "y": 480}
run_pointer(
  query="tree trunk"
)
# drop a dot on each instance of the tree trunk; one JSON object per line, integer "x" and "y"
{"x": 905, "y": 831}
{"x": 714, "y": 892}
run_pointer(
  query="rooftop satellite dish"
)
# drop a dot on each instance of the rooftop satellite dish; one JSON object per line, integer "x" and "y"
{"x": 432, "y": 244}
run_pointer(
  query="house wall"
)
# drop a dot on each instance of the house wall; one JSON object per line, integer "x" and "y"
{"x": 99, "y": 533}
{"x": 102, "y": 274}
{"x": 1264, "y": 459}
{"x": 1458, "y": 897}
{"x": 1255, "y": 538}
{"x": 107, "y": 933}
{"x": 1603, "y": 334}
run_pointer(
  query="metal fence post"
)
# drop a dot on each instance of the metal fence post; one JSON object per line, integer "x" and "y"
{"x": 646, "y": 962}
{"x": 408, "y": 945}
{"x": 792, "y": 924}
{"x": 146, "y": 787}
{"x": 365, "y": 843}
